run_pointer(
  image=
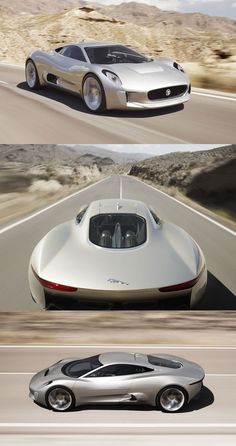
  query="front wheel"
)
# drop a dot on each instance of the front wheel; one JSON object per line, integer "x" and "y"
{"x": 31, "y": 75}
{"x": 60, "y": 399}
{"x": 93, "y": 94}
{"x": 171, "y": 399}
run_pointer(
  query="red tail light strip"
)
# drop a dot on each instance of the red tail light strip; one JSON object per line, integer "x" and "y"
{"x": 182, "y": 286}
{"x": 53, "y": 285}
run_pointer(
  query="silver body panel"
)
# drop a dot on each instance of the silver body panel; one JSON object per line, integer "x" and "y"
{"x": 133, "y": 388}
{"x": 137, "y": 79}
{"x": 67, "y": 256}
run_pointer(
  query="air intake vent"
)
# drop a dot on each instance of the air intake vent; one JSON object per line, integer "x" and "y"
{"x": 168, "y": 92}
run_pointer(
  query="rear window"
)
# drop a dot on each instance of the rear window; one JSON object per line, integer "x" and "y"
{"x": 162, "y": 362}
{"x": 77, "y": 368}
{"x": 117, "y": 230}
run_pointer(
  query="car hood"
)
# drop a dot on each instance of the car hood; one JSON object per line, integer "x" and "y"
{"x": 147, "y": 75}
{"x": 50, "y": 373}
{"x": 66, "y": 256}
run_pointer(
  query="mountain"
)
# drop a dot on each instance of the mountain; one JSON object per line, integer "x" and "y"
{"x": 38, "y": 6}
{"x": 205, "y": 45}
{"x": 62, "y": 155}
{"x": 118, "y": 157}
{"x": 148, "y": 15}
{"x": 206, "y": 176}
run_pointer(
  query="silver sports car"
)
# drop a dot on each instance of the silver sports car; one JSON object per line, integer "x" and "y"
{"x": 116, "y": 250}
{"x": 109, "y": 76}
{"x": 165, "y": 381}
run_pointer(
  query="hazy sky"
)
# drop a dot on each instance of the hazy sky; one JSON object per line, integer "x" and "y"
{"x": 156, "y": 149}
{"x": 225, "y": 8}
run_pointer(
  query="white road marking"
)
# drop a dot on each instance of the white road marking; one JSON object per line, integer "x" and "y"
{"x": 215, "y": 96}
{"x": 3, "y": 82}
{"x": 17, "y": 373}
{"x": 120, "y": 425}
{"x": 188, "y": 207}
{"x": 121, "y": 346}
{"x": 121, "y": 189}
{"x": 6, "y": 64}
{"x": 41, "y": 211}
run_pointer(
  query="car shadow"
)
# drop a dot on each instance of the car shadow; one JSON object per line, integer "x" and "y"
{"x": 204, "y": 399}
{"x": 74, "y": 102}
{"x": 217, "y": 296}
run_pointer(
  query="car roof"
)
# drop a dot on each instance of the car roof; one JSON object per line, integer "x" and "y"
{"x": 123, "y": 357}
{"x": 92, "y": 44}
{"x": 121, "y": 206}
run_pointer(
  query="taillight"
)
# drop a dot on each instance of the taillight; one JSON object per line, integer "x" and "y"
{"x": 182, "y": 286}
{"x": 53, "y": 285}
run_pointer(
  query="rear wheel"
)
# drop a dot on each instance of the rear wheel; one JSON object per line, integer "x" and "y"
{"x": 93, "y": 94}
{"x": 60, "y": 399}
{"x": 31, "y": 75}
{"x": 171, "y": 399}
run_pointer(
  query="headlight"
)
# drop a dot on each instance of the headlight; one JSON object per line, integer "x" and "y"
{"x": 112, "y": 77}
{"x": 178, "y": 67}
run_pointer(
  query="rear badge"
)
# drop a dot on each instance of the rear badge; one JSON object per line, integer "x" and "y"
{"x": 117, "y": 281}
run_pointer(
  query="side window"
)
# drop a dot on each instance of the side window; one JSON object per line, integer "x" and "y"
{"x": 80, "y": 215}
{"x": 74, "y": 52}
{"x": 120, "y": 370}
{"x": 157, "y": 220}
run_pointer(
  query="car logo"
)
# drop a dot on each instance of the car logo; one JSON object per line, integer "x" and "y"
{"x": 168, "y": 92}
{"x": 120, "y": 282}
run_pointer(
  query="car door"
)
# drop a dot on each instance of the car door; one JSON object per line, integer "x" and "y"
{"x": 70, "y": 67}
{"x": 108, "y": 384}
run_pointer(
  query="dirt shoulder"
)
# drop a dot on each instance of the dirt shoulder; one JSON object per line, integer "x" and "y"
{"x": 103, "y": 328}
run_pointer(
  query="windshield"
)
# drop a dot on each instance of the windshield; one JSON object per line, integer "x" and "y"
{"x": 79, "y": 367}
{"x": 117, "y": 230}
{"x": 112, "y": 54}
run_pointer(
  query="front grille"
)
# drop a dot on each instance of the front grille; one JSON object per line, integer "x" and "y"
{"x": 168, "y": 92}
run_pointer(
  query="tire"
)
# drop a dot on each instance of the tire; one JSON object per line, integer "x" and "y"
{"x": 55, "y": 397}
{"x": 171, "y": 399}
{"x": 31, "y": 75}
{"x": 93, "y": 94}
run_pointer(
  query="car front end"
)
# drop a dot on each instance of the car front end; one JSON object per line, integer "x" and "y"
{"x": 151, "y": 85}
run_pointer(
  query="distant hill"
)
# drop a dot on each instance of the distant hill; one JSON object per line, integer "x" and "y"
{"x": 118, "y": 157}
{"x": 38, "y": 6}
{"x": 205, "y": 176}
{"x": 148, "y": 15}
{"x": 62, "y": 155}
{"x": 134, "y": 12}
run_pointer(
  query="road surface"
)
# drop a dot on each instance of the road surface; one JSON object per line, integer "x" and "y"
{"x": 17, "y": 241}
{"x": 212, "y": 413}
{"x": 50, "y": 116}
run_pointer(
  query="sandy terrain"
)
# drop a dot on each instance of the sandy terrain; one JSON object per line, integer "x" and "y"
{"x": 186, "y": 328}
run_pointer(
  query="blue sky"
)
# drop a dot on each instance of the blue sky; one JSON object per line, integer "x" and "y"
{"x": 225, "y": 8}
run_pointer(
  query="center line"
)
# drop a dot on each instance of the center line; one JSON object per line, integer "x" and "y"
{"x": 121, "y": 189}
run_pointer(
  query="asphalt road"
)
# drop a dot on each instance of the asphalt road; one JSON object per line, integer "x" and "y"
{"x": 52, "y": 116}
{"x": 212, "y": 413}
{"x": 17, "y": 242}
